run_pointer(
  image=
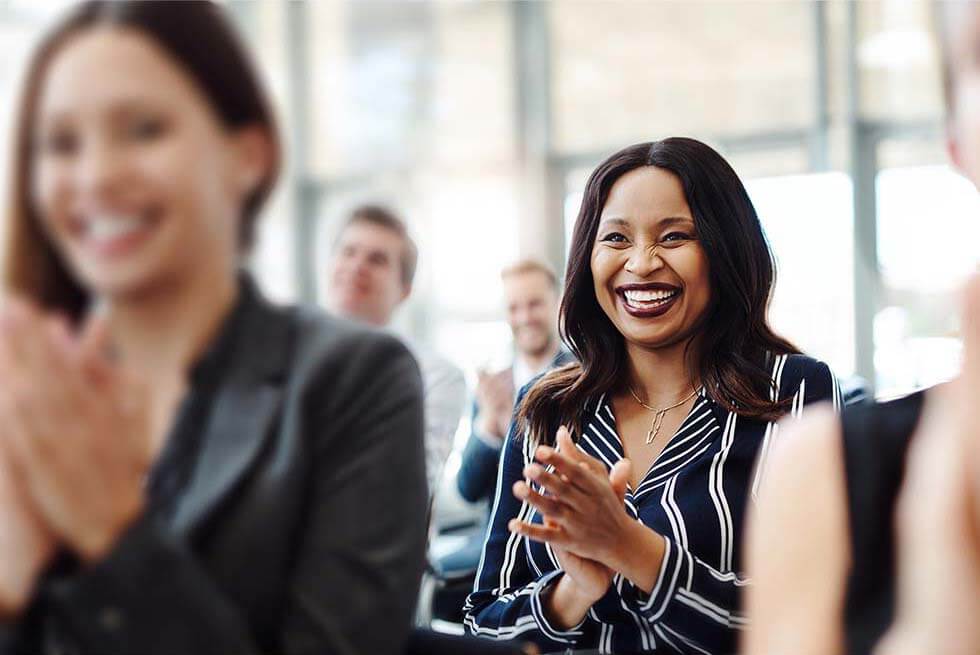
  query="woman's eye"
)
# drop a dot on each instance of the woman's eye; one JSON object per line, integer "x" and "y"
{"x": 58, "y": 143}
{"x": 677, "y": 237}
{"x": 145, "y": 129}
{"x": 613, "y": 237}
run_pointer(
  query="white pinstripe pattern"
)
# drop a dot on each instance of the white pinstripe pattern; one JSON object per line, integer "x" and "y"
{"x": 646, "y": 638}
{"x": 704, "y": 592}
{"x": 701, "y": 605}
{"x": 662, "y": 634}
{"x": 668, "y": 508}
{"x": 678, "y": 517}
{"x": 716, "y": 489}
{"x": 777, "y": 377}
{"x": 514, "y": 540}
{"x": 687, "y": 642}
{"x": 798, "y": 399}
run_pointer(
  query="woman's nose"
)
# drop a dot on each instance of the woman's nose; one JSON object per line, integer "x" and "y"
{"x": 644, "y": 260}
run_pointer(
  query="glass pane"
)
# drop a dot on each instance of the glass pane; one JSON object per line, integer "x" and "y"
{"x": 814, "y": 246}
{"x": 769, "y": 162}
{"x": 928, "y": 242}
{"x": 471, "y": 235}
{"x": 898, "y": 153}
{"x": 633, "y": 71}
{"x": 898, "y": 60}
{"x": 398, "y": 84}
{"x": 473, "y": 113}
{"x": 262, "y": 24}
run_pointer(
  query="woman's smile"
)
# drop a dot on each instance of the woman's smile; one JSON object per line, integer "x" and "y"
{"x": 111, "y": 235}
{"x": 648, "y": 300}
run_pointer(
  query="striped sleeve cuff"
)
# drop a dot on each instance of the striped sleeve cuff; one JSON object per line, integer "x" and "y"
{"x": 675, "y": 573}
{"x": 541, "y": 587}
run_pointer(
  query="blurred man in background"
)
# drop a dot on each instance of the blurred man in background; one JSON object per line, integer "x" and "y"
{"x": 370, "y": 275}
{"x": 531, "y": 298}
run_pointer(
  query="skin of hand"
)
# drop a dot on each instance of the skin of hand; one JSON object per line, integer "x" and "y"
{"x": 585, "y": 514}
{"x": 937, "y": 527}
{"x": 495, "y": 396}
{"x": 797, "y": 550}
{"x": 26, "y": 543}
{"x": 76, "y": 426}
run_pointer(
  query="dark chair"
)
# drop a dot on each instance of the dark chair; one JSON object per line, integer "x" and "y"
{"x": 451, "y": 577}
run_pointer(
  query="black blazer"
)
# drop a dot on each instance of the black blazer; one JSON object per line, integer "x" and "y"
{"x": 302, "y": 528}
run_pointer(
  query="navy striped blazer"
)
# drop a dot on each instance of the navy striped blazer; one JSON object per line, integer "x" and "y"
{"x": 695, "y": 494}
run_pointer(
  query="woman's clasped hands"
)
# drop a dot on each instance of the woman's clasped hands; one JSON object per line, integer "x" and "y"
{"x": 585, "y": 519}
{"x": 74, "y": 446}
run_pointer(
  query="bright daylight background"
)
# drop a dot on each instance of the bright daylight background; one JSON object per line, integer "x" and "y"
{"x": 481, "y": 120}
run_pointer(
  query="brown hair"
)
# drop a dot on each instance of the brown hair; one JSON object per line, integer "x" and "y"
{"x": 531, "y": 266}
{"x": 384, "y": 217}
{"x": 735, "y": 342}
{"x": 197, "y": 34}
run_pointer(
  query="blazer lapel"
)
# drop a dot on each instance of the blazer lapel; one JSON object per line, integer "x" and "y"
{"x": 240, "y": 424}
{"x": 246, "y": 405}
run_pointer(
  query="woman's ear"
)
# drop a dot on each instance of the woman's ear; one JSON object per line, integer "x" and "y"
{"x": 253, "y": 153}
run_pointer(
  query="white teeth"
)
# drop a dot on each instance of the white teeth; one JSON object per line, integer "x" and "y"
{"x": 112, "y": 227}
{"x": 635, "y": 296}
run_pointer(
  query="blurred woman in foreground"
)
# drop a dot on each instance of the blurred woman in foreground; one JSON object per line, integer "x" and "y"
{"x": 868, "y": 539}
{"x": 184, "y": 468}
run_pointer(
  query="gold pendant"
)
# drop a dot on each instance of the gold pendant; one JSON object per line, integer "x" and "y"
{"x": 658, "y": 421}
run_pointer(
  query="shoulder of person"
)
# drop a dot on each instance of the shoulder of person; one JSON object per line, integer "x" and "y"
{"x": 885, "y": 425}
{"x": 436, "y": 369}
{"x": 563, "y": 357}
{"x": 562, "y": 366}
{"x": 326, "y": 344}
{"x": 789, "y": 371}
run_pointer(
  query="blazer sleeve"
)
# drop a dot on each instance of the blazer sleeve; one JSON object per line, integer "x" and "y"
{"x": 358, "y": 569}
{"x": 480, "y": 460}
{"x": 359, "y": 554}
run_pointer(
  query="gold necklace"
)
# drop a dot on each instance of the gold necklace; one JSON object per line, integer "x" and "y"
{"x": 658, "y": 419}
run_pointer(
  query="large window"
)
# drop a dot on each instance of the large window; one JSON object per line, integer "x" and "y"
{"x": 634, "y": 71}
{"x": 480, "y": 122}
{"x": 928, "y": 242}
{"x": 813, "y": 243}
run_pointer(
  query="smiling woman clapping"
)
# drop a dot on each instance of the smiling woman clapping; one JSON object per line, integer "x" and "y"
{"x": 626, "y": 477}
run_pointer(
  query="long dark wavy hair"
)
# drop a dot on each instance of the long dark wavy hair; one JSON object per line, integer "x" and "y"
{"x": 735, "y": 343}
